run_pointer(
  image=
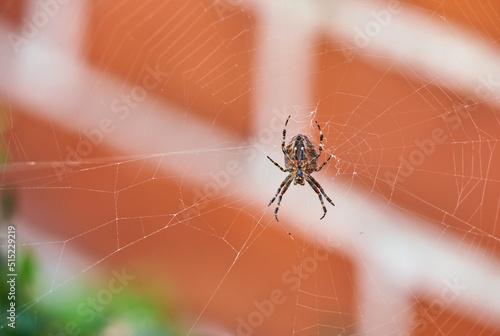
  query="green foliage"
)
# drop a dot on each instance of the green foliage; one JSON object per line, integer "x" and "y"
{"x": 60, "y": 313}
{"x": 8, "y": 204}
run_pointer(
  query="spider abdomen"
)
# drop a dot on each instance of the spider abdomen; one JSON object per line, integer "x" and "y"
{"x": 301, "y": 149}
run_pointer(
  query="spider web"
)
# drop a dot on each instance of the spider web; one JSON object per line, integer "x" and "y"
{"x": 137, "y": 136}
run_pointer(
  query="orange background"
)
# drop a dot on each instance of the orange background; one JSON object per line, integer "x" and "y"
{"x": 203, "y": 274}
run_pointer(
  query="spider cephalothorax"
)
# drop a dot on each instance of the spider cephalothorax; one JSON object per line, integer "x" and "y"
{"x": 301, "y": 160}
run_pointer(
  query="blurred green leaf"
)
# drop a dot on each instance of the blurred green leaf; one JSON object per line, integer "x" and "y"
{"x": 8, "y": 204}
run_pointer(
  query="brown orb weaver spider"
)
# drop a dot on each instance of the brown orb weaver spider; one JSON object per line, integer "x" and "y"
{"x": 301, "y": 160}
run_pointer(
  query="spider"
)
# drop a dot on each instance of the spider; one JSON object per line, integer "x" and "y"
{"x": 301, "y": 160}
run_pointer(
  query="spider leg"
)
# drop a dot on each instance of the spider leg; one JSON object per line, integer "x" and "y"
{"x": 284, "y": 135}
{"x": 324, "y": 163}
{"x": 283, "y": 143}
{"x": 320, "y": 138}
{"x": 320, "y": 150}
{"x": 315, "y": 188}
{"x": 313, "y": 180}
{"x": 285, "y": 181}
{"x": 277, "y": 165}
{"x": 285, "y": 188}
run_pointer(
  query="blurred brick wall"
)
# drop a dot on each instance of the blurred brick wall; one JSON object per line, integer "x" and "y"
{"x": 202, "y": 54}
